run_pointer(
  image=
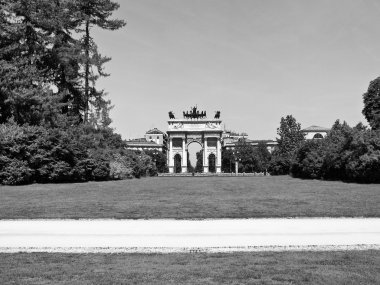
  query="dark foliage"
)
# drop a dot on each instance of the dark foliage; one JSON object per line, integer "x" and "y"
{"x": 309, "y": 160}
{"x": 290, "y": 139}
{"x": 36, "y": 154}
{"x": 348, "y": 154}
{"x": 250, "y": 158}
{"x": 160, "y": 160}
{"x": 279, "y": 165}
{"x": 371, "y": 99}
{"x": 199, "y": 165}
{"x": 50, "y": 155}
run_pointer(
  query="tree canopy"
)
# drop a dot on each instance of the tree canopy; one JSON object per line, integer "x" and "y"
{"x": 371, "y": 100}
{"x": 290, "y": 136}
{"x": 49, "y": 63}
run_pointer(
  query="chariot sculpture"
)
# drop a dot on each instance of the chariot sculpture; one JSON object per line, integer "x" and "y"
{"x": 194, "y": 114}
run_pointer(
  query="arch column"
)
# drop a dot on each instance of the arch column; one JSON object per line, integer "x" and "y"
{"x": 184, "y": 156}
{"x": 170, "y": 156}
{"x": 218, "y": 161}
{"x": 205, "y": 156}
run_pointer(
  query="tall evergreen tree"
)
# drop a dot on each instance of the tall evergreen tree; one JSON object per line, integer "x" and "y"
{"x": 63, "y": 60}
{"x": 45, "y": 72}
{"x": 95, "y": 13}
{"x": 24, "y": 91}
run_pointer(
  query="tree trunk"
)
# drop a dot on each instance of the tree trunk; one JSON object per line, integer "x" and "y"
{"x": 87, "y": 71}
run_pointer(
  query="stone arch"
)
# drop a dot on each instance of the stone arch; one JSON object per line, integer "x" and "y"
{"x": 194, "y": 141}
{"x": 194, "y": 128}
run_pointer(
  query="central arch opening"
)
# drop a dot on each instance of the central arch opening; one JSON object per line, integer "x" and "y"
{"x": 194, "y": 156}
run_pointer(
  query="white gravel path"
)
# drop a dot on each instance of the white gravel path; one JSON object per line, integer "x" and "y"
{"x": 226, "y": 235}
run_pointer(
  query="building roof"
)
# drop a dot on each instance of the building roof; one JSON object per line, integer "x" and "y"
{"x": 155, "y": 131}
{"x": 315, "y": 129}
{"x": 142, "y": 143}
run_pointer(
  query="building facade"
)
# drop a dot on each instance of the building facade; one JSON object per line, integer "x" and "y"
{"x": 153, "y": 139}
{"x": 315, "y": 132}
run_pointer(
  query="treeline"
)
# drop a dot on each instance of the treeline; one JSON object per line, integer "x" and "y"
{"x": 54, "y": 121}
{"x": 350, "y": 154}
{"x": 31, "y": 154}
{"x": 248, "y": 157}
{"x": 347, "y": 153}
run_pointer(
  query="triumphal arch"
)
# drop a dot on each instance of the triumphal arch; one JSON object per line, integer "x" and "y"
{"x": 194, "y": 127}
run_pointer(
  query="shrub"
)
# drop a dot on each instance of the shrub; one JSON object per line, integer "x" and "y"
{"x": 56, "y": 172}
{"x": 309, "y": 160}
{"x": 101, "y": 171}
{"x": 15, "y": 172}
{"x": 365, "y": 169}
{"x": 120, "y": 167}
{"x": 279, "y": 165}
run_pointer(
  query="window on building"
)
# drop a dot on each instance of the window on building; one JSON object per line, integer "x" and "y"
{"x": 318, "y": 136}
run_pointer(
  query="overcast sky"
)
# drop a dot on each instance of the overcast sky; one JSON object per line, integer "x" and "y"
{"x": 254, "y": 60}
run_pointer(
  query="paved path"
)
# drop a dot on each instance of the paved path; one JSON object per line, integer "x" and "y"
{"x": 196, "y": 235}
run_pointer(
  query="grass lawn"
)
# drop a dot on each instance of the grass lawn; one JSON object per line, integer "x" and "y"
{"x": 191, "y": 198}
{"x": 351, "y": 267}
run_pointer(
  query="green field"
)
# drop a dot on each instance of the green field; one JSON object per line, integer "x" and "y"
{"x": 191, "y": 198}
{"x": 352, "y": 267}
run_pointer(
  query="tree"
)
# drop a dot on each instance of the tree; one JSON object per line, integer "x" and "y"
{"x": 290, "y": 136}
{"x": 95, "y": 13}
{"x": 371, "y": 99}
{"x": 24, "y": 94}
{"x": 159, "y": 158}
{"x": 309, "y": 160}
{"x": 46, "y": 72}
{"x": 245, "y": 153}
{"x": 199, "y": 165}
{"x": 263, "y": 157}
{"x": 290, "y": 139}
{"x": 335, "y": 160}
{"x": 228, "y": 160}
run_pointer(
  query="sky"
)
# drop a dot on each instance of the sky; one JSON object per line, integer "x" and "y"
{"x": 254, "y": 60}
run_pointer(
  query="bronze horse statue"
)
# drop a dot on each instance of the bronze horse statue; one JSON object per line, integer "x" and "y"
{"x": 217, "y": 115}
{"x": 171, "y": 115}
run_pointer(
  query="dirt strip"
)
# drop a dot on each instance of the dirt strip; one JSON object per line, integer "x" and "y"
{"x": 190, "y": 235}
{"x": 166, "y": 250}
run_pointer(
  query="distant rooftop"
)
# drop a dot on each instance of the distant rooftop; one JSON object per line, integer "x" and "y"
{"x": 141, "y": 142}
{"x": 155, "y": 131}
{"x": 138, "y": 140}
{"x": 316, "y": 129}
{"x": 234, "y": 133}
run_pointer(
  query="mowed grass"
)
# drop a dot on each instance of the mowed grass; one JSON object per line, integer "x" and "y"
{"x": 191, "y": 198}
{"x": 351, "y": 267}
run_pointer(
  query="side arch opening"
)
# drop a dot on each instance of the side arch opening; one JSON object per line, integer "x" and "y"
{"x": 177, "y": 163}
{"x": 211, "y": 163}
